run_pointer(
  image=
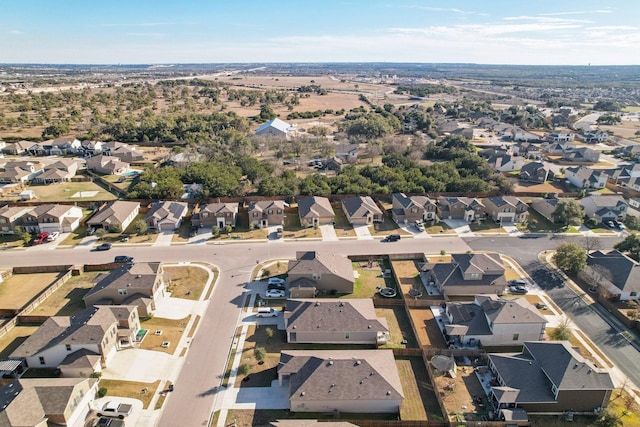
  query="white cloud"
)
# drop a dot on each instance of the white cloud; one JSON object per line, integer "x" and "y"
{"x": 545, "y": 19}
{"x": 580, "y": 12}
{"x": 141, "y": 24}
{"x": 16, "y": 32}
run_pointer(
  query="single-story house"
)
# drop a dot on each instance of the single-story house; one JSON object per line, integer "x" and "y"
{"x": 61, "y": 170}
{"x": 315, "y": 211}
{"x": 165, "y": 216}
{"x": 334, "y": 321}
{"x": 275, "y": 128}
{"x": 604, "y": 207}
{"x": 107, "y": 165}
{"x": 545, "y": 207}
{"x": 116, "y": 215}
{"x": 21, "y": 171}
{"x": 342, "y": 381}
{"x": 617, "y": 273}
{"x": 361, "y": 210}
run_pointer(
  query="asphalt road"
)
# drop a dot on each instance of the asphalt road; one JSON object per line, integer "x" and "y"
{"x": 197, "y": 385}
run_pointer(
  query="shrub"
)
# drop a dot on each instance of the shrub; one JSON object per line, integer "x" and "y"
{"x": 102, "y": 392}
{"x": 259, "y": 353}
{"x": 243, "y": 369}
{"x": 269, "y": 332}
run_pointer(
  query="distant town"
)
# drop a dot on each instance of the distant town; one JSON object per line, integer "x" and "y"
{"x": 290, "y": 244}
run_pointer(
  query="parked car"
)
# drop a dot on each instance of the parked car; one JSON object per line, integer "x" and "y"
{"x": 193, "y": 232}
{"x": 53, "y": 236}
{"x": 115, "y": 409}
{"x": 279, "y": 232}
{"x": 108, "y": 422}
{"x": 619, "y": 225}
{"x": 103, "y": 247}
{"x": 41, "y": 238}
{"x": 267, "y": 312}
{"x": 420, "y": 225}
{"x": 123, "y": 259}
{"x": 610, "y": 224}
{"x": 275, "y": 293}
{"x": 391, "y": 238}
{"x": 518, "y": 282}
{"x": 91, "y": 231}
{"x": 275, "y": 281}
{"x": 518, "y": 290}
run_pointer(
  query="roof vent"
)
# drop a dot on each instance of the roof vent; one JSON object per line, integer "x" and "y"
{"x": 358, "y": 363}
{"x": 575, "y": 366}
{"x": 368, "y": 326}
{"x": 302, "y": 393}
{"x": 138, "y": 276}
{"x": 361, "y": 381}
{"x": 388, "y": 393}
{"x": 330, "y": 362}
{"x": 588, "y": 372}
{"x": 341, "y": 304}
{"x": 317, "y": 303}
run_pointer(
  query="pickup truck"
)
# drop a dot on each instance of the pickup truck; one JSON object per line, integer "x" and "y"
{"x": 115, "y": 409}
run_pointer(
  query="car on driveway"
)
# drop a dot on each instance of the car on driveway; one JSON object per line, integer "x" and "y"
{"x": 41, "y": 238}
{"x": 53, "y": 236}
{"x": 517, "y": 290}
{"x": 275, "y": 293}
{"x": 267, "y": 312}
{"x": 619, "y": 225}
{"x": 275, "y": 283}
{"x": 103, "y": 247}
{"x": 517, "y": 282}
{"x": 108, "y": 422}
{"x": 610, "y": 224}
{"x": 124, "y": 259}
{"x": 420, "y": 225}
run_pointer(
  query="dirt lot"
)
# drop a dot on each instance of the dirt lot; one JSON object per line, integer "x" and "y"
{"x": 547, "y": 187}
{"x": 458, "y": 395}
{"x": 67, "y": 299}
{"x": 171, "y": 331}
{"x": 186, "y": 282}
{"x": 427, "y": 328}
{"x": 18, "y": 289}
{"x": 65, "y": 191}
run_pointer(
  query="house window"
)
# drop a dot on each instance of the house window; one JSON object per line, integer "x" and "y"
{"x": 270, "y": 211}
{"x": 516, "y": 336}
{"x": 279, "y": 211}
{"x": 315, "y": 276}
{"x": 346, "y": 335}
{"x": 414, "y": 210}
{"x": 633, "y": 294}
{"x": 68, "y": 347}
{"x": 122, "y": 291}
{"x": 41, "y": 359}
{"x": 204, "y": 214}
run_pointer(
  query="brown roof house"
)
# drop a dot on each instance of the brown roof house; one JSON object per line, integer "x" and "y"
{"x": 100, "y": 330}
{"x": 584, "y": 177}
{"x": 216, "y": 214}
{"x": 61, "y": 170}
{"x": 140, "y": 284}
{"x": 320, "y": 272}
{"x": 406, "y": 209}
{"x": 17, "y": 148}
{"x": 108, "y": 165}
{"x": 548, "y": 377}
{"x": 60, "y": 218}
{"x": 314, "y": 211}
{"x": 618, "y": 274}
{"x": 506, "y": 209}
{"x": 333, "y": 321}
{"x": 265, "y": 213}
{"x": 21, "y": 171}
{"x": 116, "y": 216}
{"x": 468, "y": 274}
{"x": 361, "y": 210}
{"x": 341, "y": 381}
{"x": 165, "y": 216}
{"x": 12, "y": 217}
{"x": 465, "y": 208}
{"x": 39, "y": 402}
{"x": 493, "y": 321}
{"x": 122, "y": 151}
{"x": 535, "y": 172}
{"x": 546, "y": 207}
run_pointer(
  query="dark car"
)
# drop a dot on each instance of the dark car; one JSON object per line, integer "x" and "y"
{"x": 123, "y": 259}
{"x": 391, "y": 238}
{"x": 518, "y": 290}
{"x": 103, "y": 247}
{"x": 109, "y": 422}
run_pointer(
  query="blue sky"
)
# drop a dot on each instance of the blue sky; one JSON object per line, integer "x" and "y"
{"x": 170, "y": 31}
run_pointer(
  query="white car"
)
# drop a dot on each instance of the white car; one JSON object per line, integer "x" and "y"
{"x": 419, "y": 225}
{"x": 53, "y": 236}
{"x": 275, "y": 293}
{"x": 275, "y": 281}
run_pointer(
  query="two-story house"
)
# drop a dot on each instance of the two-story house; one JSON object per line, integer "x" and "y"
{"x": 20, "y": 171}
{"x": 468, "y": 274}
{"x": 165, "y": 216}
{"x": 604, "y": 207}
{"x": 50, "y": 218}
{"x": 535, "y": 172}
{"x": 506, "y": 209}
{"x": 319, "y": 272}
{"x": 12, "y": 217}
{"x": 465, "y": 208}
{"x": 265, "y": 213}
{"x": 584, "y": 177}
{"x": 406, "y": 210}
{"x": 61, "y": 170}
{"x": 216, "y": 215}
{"x": 617, "y": 273}
{"x": 108, "y": 165}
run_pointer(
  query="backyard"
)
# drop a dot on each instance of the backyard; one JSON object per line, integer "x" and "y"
{"x": 67, "y": 299}
{"x": 17, "y": 290}
{"x": 463, "y": 396}
{"x": 71, "y": 192}
{"x": 399, "y": 327}
{"x": 370, "y": 278}
{"x": 13, "y": 338}
{"x": 419, "y": 402}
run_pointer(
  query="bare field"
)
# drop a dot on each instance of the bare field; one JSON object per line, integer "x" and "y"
{"x": 626, "y": 129}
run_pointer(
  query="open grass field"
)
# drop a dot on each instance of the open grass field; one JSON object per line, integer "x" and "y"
{"x": 12, "y": 339}
{"x": 369, "y": 280}
{"x": 186, "y": 282}
{"x": 67, "y": 299}
{"x": 172, "y": 331}
{"x": 420, "y": 402}
{"x": 17, "y": 290}
{"x": 63, "y": 192}
{"x": 133, "y": 389}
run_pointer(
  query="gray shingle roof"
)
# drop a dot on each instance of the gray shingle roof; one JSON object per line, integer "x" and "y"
{"x": 310, "y": 262}
{"x": 360, "y": 207}
{"x": 115, "y": 213}
{"x": 315, "y": 207}
{"x": 333, "y": 315}
{"x": 619, "y": 269}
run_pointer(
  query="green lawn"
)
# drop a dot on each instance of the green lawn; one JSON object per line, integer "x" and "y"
{"x": 64, "y": 191}
{"x": 539, "y": 224}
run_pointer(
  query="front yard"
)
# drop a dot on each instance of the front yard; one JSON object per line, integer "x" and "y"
{"x": 163, "y": 331}
{"x": 133, "y": 389}
{"x": 186, "y": 282}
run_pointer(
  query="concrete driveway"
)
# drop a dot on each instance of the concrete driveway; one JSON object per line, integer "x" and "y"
{"x": 460, "y": 226}
{"x": 363, "y": 232}
{"x": 164, "y": 238}
{"x": 328, "y": 233}
{"x": 274, "y": 397}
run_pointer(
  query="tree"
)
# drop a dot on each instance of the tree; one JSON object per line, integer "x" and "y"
{"x": 592, "y": 243}
{"x": 259, "y": 353}
{"x": 630, "y": 245}
{"x": 608, "y": 419}
{"x": 215, "y": 231}
{"x": 140, "y": 225}
{"x": 24, "y": 235}
{"x": 100, "y": 233}
{"x": 228, "y": 229}
{"x": 562, "y": 332}
{"x": 570, "y": 257}
{"x": 568, "y": 213}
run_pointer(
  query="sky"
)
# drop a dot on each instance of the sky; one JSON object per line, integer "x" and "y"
{"x": 559, "y": 32}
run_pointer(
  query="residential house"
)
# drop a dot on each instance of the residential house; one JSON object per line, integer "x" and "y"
{"x": 406, "y": 209}
{"x": 465, "y": 208}
{"x": 265, "y": 213}
{"x": 64, "y": 146}
{"x": 39, "y": 148}
{"x": 584, "y": 177}
{"x": 9, "y": 189}
{"x": 17, "y": 148}
{"x": 526, "y": 149}
{"x": 91, "y": 148}
{"x": 628, "y": 151}
{"x": 595, "y": 136}
{"x": 20, "y": 171}
{"x": 165, "y": 216}
{"x": 347, "y": 152}
{"x": 321, "y": 272}
{"x": 53, "y": 217}
{"x": 275, "y": 128}
{"x": 334, "y": 164}
{"x": 185, "y": 158}
{"x": 124, "y": 152}
{"x": 506, "y": 209}
{"x": 12, "y": 217}
{"x": 555, "y": 148}
{"x": 3, "y": 145}
{"x": 216, "y": 215}
{"x": 466, "y": 132}
{"x": 558, "y": 136}
{"x": 581, "y": 155}
{"x": 40, "y": 402}
{"x": 505, "y": 162}
{"x": 107, "y": 165}
{"x": 116, "y": 216}
{"x": 102, "y": 330}
{"x": 545, "y": 207}
{"x": 446, "y": 126}
{"x": 341, "y": 381}
{"x": 535, "y": 172}
{"x": 604, "y": 207}
{"x": 493, "y": 321}
{"x": 617, "y": 273}
{"x": 521, "y": 135}
{"x": 361, "y": 210}
{"x": 141, "y": 284}
{"x": 468, "y": 274}
{"x": 315, "y": 211}
{"x": 61, "y": 170}
{"x": 548, "y": 377}
{"x": 334, "y": 321}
